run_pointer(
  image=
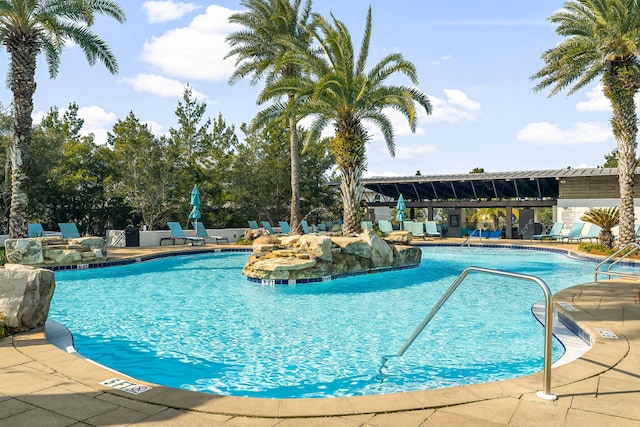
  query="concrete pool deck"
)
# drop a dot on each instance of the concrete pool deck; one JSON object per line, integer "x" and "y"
{"x": 41, "y": 384}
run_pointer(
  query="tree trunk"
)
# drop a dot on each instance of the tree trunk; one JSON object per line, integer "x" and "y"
{"x": 351, "y": 190}
{"x": 620, "y": 86}
{"x": 295, "y": 178}
{"x": 22, "y": 80}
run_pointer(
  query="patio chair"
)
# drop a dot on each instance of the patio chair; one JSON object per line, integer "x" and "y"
{"x": 553, "y": 234}
{"x": 431, "y": 229}
{"x": 417, "y": 229}
{"x": 366, "y": 225}
{"x": 385, "y": 226}
{"x": 305, "y": 226}
{"x": 267, "y": 226}
{"x": 253, "y": 225}
{"x": 284, "y": 226}
{"x": 574, "y": 232}
{"x": 593, "y": 233}
{"x": 35, "y": 230}
{"x": 178, "y": 233}
{"x": 69, "y": 230}
{"x": 202, "y": 232}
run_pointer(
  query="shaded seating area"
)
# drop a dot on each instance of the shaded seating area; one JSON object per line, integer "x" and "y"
{"x": 554, "y": 234}
{"x": 177, "y": 233}
{"x": 201, "y": 231}
{"x": 69, "y": 230}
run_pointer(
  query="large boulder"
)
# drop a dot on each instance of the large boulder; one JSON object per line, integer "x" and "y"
{"x": 25, "y": 296}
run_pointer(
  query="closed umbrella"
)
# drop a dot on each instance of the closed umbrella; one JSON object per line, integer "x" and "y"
{"x": 400, "y": 207}
{"x": 195, "y": 202}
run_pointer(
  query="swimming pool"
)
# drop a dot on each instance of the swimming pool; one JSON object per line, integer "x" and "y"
{"x": 194, "y": 322}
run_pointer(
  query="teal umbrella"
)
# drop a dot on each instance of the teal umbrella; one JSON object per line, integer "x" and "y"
{"x": 195, "y": 202}
{"x": 400, "y": 207}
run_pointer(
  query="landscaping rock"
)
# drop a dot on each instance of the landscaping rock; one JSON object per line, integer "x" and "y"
{"x": 25, "y": 296}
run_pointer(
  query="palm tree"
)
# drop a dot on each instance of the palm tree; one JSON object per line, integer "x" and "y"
{"x": 274, "y": 29}
{"x": 27, "y": 28}
{"x": 606, "y": 219}
{"x": 336, "y": 89}
{"x": 602, "y": 41}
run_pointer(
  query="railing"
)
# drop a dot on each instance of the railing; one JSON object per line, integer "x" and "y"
{"x": 610, "y": 264}
{"x": 545, "y": 393}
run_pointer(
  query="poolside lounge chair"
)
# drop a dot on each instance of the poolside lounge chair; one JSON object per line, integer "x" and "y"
{"x": 366, "y": 225}
{"x": 574, "y": 232}
{"x": 553, "y": 234}
{"x": 417, "y": 229}
{"x": 253, "y": 225}
{"x": 35, "y": 230}
{"x": 178, "y": 233}
{"x": 267, "y": 226}
{"x": 69, "y": 230}
{"x": 431, "y": 229}
{"x": 202, "y": 232}
{"x": 284, "y": 226}
{"x": 593, "y": 233}
{"x": 385, "y": 226}
{"x": 305, "y": 226}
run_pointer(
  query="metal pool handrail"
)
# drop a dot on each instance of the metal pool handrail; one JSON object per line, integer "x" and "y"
{"x": 608, "y": 272}
{"x": 545, "y": 393}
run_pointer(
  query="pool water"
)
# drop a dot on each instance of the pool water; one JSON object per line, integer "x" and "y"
{"x": 194, "y": 322}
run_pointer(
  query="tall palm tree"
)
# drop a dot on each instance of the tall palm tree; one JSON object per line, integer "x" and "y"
{"x": 274, "y": 30}
{"x": 27, "y": 28}
{"x": 602, "y": 41}
{"x": 336, "y": 89}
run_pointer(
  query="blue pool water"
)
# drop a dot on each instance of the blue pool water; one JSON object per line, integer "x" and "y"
{"x": 195, "y": 322}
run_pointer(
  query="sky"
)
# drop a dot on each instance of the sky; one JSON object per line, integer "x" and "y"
{"x": 474, "y": 60}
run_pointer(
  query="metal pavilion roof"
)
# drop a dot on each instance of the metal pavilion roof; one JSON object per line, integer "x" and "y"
{"x": 540, "y": 185}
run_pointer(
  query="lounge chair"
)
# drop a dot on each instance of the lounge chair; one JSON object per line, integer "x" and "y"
{"x": 178, "y": 233}
{"x": 267, "y": 226}
{"x": 69, "y": 230}
{"x": 431, "y": 229}
{"x": 495, "y": 235}
{"x": 35, "y": 230}
{"x": 574, "y": 232}
{"x": 385, "y": 226}
{"x": 417, "y": 229}
{"x": 407, "y": 225}
{"x": 305, "y": 226}
{"x": 253, "y": 225}
{"x": 554, "y": 234}
{"x": 202, "y": 232}
{"x": 593, "y": 233}
{"x": 366, "y": 225}
{"x": 284, "y": 226}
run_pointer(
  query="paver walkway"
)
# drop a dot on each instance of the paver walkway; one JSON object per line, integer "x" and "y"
{"x": 41, "y": 385}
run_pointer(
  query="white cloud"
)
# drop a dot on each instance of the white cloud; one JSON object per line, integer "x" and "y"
{"x": 456, "y": 107}
{"x": 96, "y": 121}
{"x": 596, "y": 101}
{"x": 163, "y": 11}
{"x": 156, "y": 128}
{"x": 544, "y": 133}
{"x": 161, "y": 86}
{"x": 196, "y": 51}
{"x": 414, "y": 151}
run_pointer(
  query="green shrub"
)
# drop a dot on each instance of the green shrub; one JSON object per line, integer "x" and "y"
{"x": 243, "y": 241}
{"x": 3, "y": 256}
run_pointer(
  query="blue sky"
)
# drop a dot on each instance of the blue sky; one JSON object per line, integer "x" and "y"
{"x": 474, "y": 60}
